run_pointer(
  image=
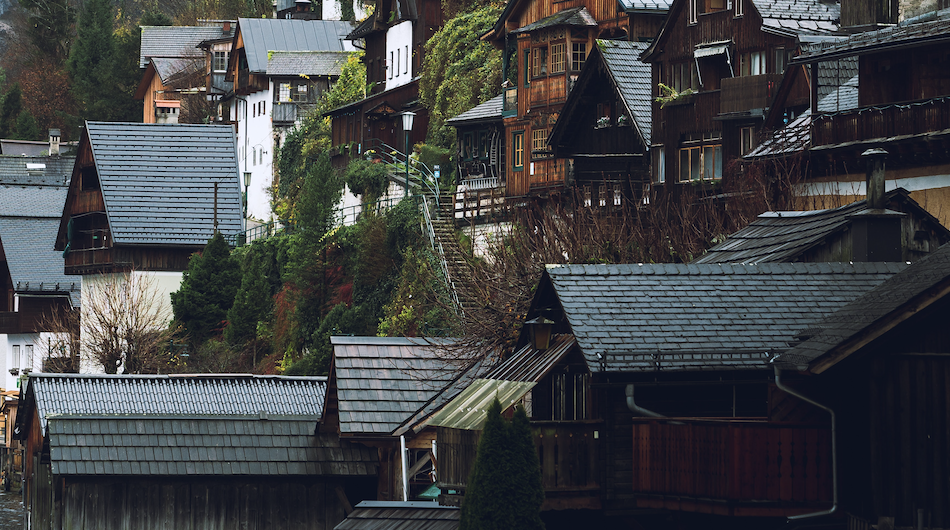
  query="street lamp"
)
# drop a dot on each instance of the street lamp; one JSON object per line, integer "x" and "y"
{"x": 539, "y": 330}
{"x": 247, "y": 184}
{"x": 407, "y": 127}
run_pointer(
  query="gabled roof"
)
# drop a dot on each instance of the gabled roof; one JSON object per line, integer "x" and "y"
{"x": 35, "y": 170}
{"x": 364, "y": 28}
{"x": 177, "y": 41}
{"x": 35, "y": 268}
{"x": 784, "y": 236}
{"x": 920, "y": 31}
{"x": 306, "y": 63}
{"x": 263, "y": 35}
{"x": 870, "y": 316}
{"x": 176, "y": 396}
{"x": 160, "y": 181}
{"x": 393, "y": 515}
{"x": 382, "y": 381}
{"x": 575, "y": 16}
{"x": 672, "y": 317}
{"x": 169, "y": 70}
{"x": 489, "y": 111}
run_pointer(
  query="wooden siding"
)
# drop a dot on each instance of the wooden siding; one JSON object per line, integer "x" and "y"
{"x": 881, "y": 122}
{"x": 120, "y": 258}
{"x": 607, "y": 13}
{"x": 744, "y": 93}
{"x": 732, "y": 460}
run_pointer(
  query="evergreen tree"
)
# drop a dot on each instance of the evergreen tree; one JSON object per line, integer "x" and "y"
{"x": 92, "y": 64}
{"x": 207, "y": 290}
{"x": 27, "y": 128}
{"x": 253, "y": 302}
{"x": 495, "y": 498}
{"x": 50, "y": 27}
{"x": 10, "y": 110}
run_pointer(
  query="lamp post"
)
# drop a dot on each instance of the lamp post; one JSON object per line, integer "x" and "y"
{"x": 247, "y": 184}
{"x": 407, "y": 127}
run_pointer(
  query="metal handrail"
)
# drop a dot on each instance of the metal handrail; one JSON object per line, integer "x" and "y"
{"x": 397, "y": 160}
{"x": 440, "y": 251}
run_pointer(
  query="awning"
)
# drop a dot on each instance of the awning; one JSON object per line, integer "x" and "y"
{"x": 709, "y": 51}
{"x": 468, "y": 409}
{"x": 166, "y": 103}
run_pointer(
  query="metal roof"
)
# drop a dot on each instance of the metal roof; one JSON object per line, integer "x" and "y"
{"x": 177, "y": 41}
{"x": 382, "y": 381}
{"x": 263, "y": 35}
{"x": 219, "y": 447}
{"x": 530, "y": 364}
{"x": 668, "y": 317}
{"x": 869, "y": 312}
{"x": 575, "y": 16}
{"x": 158, "y": 181}
{"x": 35, "y": 267}
{"x": 393, "y": 515}
{"x": 645, "y": 6}
{"x": 306, "y": 63}
{"x": 176, "y": 396}
{"x": 486, "y": 112}
{"x": 469, "y": 409}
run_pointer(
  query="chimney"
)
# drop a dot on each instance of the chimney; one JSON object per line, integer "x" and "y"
{"x": 226, "y": 27}
{"x": 54, "y": 142}
{"x": 876, "y": 231}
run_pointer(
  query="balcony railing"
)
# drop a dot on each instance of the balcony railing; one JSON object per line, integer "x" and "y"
{"x": 509, "y": 106}
{"x": 289, "y": 112}
{"x": 732, "y": 460}
{"x": 881, "y": 121}
{"x": 9, "y": 322}
{"x": 744, "y": 93}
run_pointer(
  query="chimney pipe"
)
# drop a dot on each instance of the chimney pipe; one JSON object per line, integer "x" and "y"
{"x": 876, "y": 231}
{"x": 54, "y": 142}
{"x": 874, "y": 178}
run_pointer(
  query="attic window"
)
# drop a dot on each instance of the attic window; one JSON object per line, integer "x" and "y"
{"x": 89, "y": 179}
{"x": 35, "y": 170}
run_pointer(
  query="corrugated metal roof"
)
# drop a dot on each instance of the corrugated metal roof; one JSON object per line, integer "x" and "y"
{"x": 531, "y": 365}
{"x": 169, "y": 396}
{"x": 158, "y": 181}
{"x": 210, "y": 447}
{"x": 35, "y": 267}
{"x": 177, "y": 41}
{"x": 263, "y": 35}
{"x": 392, "y": 515}
{"x": 382, "y": 381}
{"x": 306, "y": 63}
{"x": 658, "y": 317}
{"x": 469, "y": 409}
{"x": 575, "y": 16}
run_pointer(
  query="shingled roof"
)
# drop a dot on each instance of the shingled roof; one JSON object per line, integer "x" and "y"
{"x": 668, "y": 317}
{"x": 263, "y": 35}
{"x": 872, "y": 314}
{"x": 575, "y": 16}
{"x": 645, "y": 6}
{"x": 632, "y": 79}
{"x": 488, "y": 111}
{"x": 395, "y": 515}
{"x": 164, "y": 184}
{"x": 35, "y": 171}
{"x": 382, "y": 381}
{"x": 177, "y": 41}
{"x": 306, "y": 63}
{"x": 35, "y": 268}
{"x": 188, "y": 425}
{"x": 799, "y": 17}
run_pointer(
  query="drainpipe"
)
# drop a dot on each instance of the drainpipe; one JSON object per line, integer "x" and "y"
{"x": 404, "y": 461}
{"x": 834, "y": 445}
{"x": 632, "y": 405}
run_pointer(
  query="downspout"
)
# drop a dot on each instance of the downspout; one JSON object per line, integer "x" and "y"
{"x": 632, "y": 405}
{"x": 834, "y": 448}
{"x": 404, "y": 461}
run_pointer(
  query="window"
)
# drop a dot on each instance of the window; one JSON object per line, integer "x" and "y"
{"x": 684, "y": 76}
{"x": 746, "y": 140}
{"x": 254, "y": 156}
{"x": 527, "y": 68}
{"x": 602, "y": 196}
{"x": 693, "y": 16}
{"x": 467, "y": 146}
{"x": 483, "y": 144}
{"x": 28, "y": 362}
{"x": 539, "y": 62}
{"x": 517, "y": 150}
{"x": 539, "y": 140}
{"x": 618, "y": 199}
{"x": 780, "y": 59}
{"x": 700, "y": 163}
{"x": 659, "y": 175}
{"x": 752, "y": 63}
{"x": 15, "y": 357}
{"x": 405, "y": 64}
{"x": 390, "y": 64}
{"x": 738, "y": 7}
{"x": 587, "y": 197}
{"x": 283, "y": 93}
{"x": 570, "y": 396}
{"x": 220, "y": 61}
{"x": 558, "y": 58}
{"x": 578, "y": 55}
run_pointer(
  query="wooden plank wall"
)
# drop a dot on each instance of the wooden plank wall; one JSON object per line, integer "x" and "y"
{"x": 198, "y": 505}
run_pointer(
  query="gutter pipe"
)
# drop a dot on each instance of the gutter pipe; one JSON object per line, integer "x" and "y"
{"x": 632, "y": 405}
{"x": 834, "y": 445}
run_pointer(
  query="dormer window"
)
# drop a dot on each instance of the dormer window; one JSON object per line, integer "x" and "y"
{"x": 220, "y": 63}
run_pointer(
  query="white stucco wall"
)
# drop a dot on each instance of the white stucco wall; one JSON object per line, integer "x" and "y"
{"x": 255, "y": 148}
{"x": 333, "y": 11}
{"x": 398, "y": 55}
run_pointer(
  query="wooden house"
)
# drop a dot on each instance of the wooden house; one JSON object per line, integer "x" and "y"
{"x": 897, "y": 101}
{"x": 659, "y": 383}
{"x": 271, "y": 91}
{"x": 828, "y": 235}
{"x": 545, "y": 47}
{"x": 480, "y": 162}
{"x": 215, "y": 451}
{"x": 722, "y": 63}
{"x": 610, "y": 150}
{"x": 393, "y": 38}
{"x": 881, "y": 364}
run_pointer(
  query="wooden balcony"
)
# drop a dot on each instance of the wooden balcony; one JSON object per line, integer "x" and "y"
{"x": 88, "y": 260}
{"x": 881, "y": 121}
{"x": 9, "y": 322}
{"x": 289, "y": 112}
{"x": 545, "y": 91}
{"x": 731, "y": 467}
{"x": 742, "y": 94}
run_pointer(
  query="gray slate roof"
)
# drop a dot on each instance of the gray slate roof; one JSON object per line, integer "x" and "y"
{"x": 395, "y": 515}
{"x": 28, "y": 247}
{"x": 166, "y": 396}
{"x": 645, "y": 6}
{"x": 35, "y": 170}
{"x": 575, "y": 16}
{"x": 799, "y": 17}
{"x": 653, "y": 317}
{"x": 176, "y": 41}
{"x": 306, "y": 63}
{"x": 158, "y": 181}
{"x": 262, "y": 35}
{"x": 866, "y": 311}
{"x": 632, "y": 79}
{"x": 776, "y": 237}
{"x": 920, "y": 31}
{"x": 169, "y": 70}
{"x": 32, "y": 201}
{"x": 381, "y": 381}
{"x": 486, "y": 112}
{"x": 201, "y": 447}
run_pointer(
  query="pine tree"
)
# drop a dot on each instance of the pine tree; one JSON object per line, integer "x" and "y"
{"x": 253, "y": 302}
{"x": 207, "y": 290}
{"x": 96, "y": 70}
{"x": 528, "y": 492}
